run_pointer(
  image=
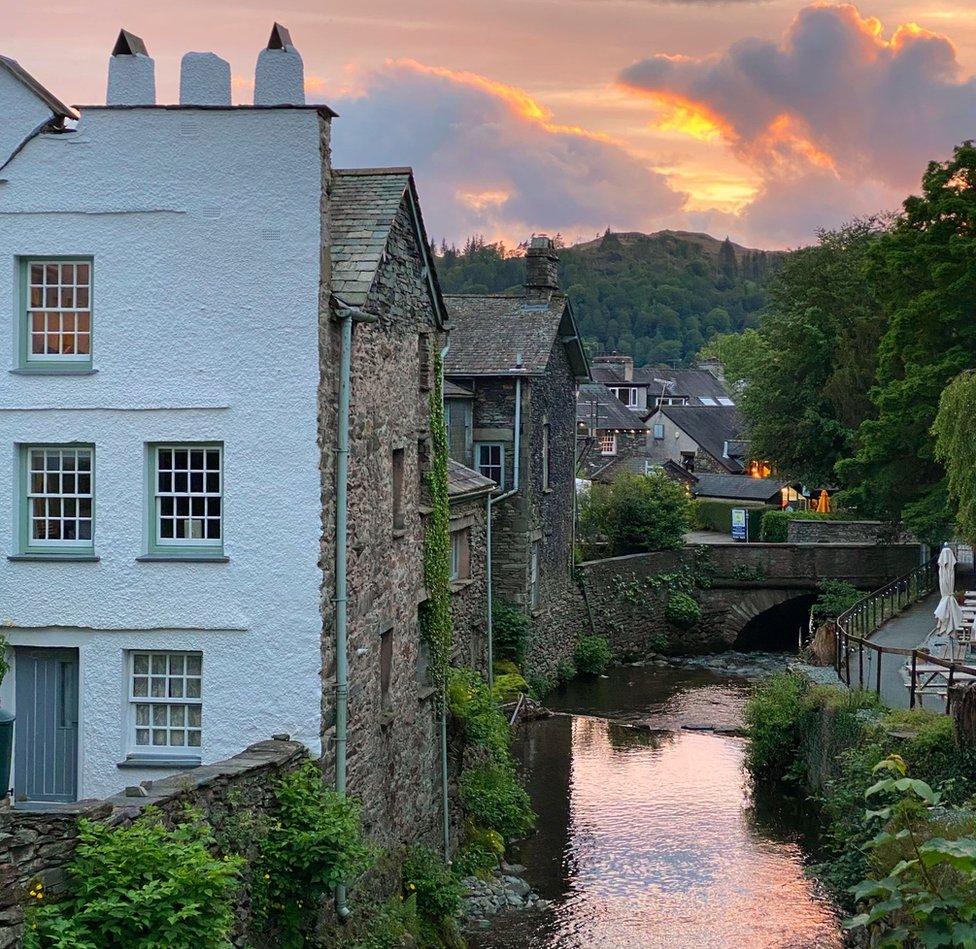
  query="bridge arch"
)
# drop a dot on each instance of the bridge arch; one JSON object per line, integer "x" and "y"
{"x": 765, "y": 618}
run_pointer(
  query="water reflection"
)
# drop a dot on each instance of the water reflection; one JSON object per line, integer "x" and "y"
{"x": 650, "y": 839}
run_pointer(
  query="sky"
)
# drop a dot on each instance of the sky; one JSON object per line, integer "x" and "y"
{"x": 763, "y": 120}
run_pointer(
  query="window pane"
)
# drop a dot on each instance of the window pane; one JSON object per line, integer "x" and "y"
{"x": 140, "y": 664}
{"x": 188, "y": 496}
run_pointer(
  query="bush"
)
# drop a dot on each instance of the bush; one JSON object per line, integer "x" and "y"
{"x": 491, "y": 797}
{"x": 593, "y": 655}
{"x": 508, "y": 685}
{"x": 426, "y": 876}
{"x": 634, "y": 514}
{"x": 717, "y": 516}
{"x": 314, "y": 843}
{"x": 480, "y": 852}
{"x": 775, "y": 716}
{"x": 391, "y": 925}
{"x": 775, "y": 527}
{"x": 682, "y": 609}
{"x": 471, "y": 703}
{"x": 141, "y": 885}
{"x": 834, "y": 597}
{"x": 509, "y": 632}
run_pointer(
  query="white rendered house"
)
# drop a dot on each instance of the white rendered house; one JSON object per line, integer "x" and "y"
{"x": 160, "y": 514}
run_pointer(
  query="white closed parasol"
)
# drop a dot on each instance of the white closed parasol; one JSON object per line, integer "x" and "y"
{"x": 948, "y": 616}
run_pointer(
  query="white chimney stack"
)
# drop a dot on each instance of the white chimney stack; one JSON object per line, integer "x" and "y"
{"x": 131, "y": 73}
{"x": 204, "y": 80}
{"x": 279, "y": 78}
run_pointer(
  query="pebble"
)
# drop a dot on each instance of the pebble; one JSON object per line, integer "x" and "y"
{"x": 505, "y": 891}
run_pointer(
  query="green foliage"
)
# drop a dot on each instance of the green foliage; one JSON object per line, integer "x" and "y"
{"x": 682, "y": 609}
{"x": 657, "y": 297}
{"x": 480, "y": 852}
{"x": 775, "y": 527}
{"x": 492, "y": 798}
{"x": 634, "y": 514}
{"x": 834, "y": 597}
{"x": 510, "y": 628}
{"x": 470, "y": 701}
{"x": 143, "y": 886}
{"x": 426, "y": 876}
{"x": 435, "y": 612}
{"x": 955, "y": 447}
{"x": 593, "y": 655}
{"x": 4, "y": 664}
{"x": 927, "y": 898}
{"x": 775, "y": 715}
{"x": 392, "y": 925}
{"x": 717, "y": 516}
{"x": 923, "y": 275}
{"x": 314, "y": 843}
{"x": 506, "y": 686}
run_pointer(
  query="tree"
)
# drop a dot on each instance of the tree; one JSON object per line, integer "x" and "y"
{"x": 923, "y": 273}
{"x": 955, "y": 447}
{"x": 806, "y": 372}
{"x": 634, "y": 514}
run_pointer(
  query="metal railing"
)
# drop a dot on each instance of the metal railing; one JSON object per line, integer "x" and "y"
{"x": 853, "y": 627}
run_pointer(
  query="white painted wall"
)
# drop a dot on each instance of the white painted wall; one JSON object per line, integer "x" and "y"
{"x": 21, "y": 113}
{"x": 675, "y": 440}
{"x": 205, "y": 232}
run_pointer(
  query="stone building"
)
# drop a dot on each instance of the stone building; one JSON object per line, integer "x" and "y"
{"x": 185, "y": 279}
{"x": 520, "y": 358}
{"x": 698, "y": 437}
{"x": 606, "y": 431}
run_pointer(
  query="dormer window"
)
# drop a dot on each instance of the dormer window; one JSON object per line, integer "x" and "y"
{"x": 56, "y": 314}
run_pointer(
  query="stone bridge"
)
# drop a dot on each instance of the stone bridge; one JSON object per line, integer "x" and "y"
{"x": 757, "y": 594}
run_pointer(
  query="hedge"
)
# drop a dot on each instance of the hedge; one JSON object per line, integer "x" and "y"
{"x": 717, "y": 516}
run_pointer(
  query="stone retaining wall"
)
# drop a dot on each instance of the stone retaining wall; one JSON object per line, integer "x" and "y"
{"x": 36, "y": 845}
{"x": 837, "y": 532}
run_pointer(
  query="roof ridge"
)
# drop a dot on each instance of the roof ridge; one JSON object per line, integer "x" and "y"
{"x": 373, "y": 172}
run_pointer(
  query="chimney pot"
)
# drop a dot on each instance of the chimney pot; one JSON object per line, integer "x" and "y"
{"x": 279, "y": 78}
{"x": 204, "y": 80}
{"x": 541, "y": 267}
{"x": 131, "y": 73}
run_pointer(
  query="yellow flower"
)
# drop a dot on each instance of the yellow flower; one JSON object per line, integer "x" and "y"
{"x": 267, "y": 876}
{"x": 411, "y": 886}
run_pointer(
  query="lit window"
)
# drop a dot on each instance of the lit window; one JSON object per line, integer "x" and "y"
{"x": 165, "y": 700}
{"x": 187, "y": 498}
{"x": 59, "y": 498}
{"x": 57, "y": 313}
{"x": 608, "y": 443}
{"x": 490, "y": 461}
{"x": 658, "y": 431}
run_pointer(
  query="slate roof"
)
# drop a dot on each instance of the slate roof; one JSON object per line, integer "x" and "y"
{"x": 464, "y": 482}
{"x": 596, "y": 405}
{"x": 453, "y": 391}
{"x": 736, "y": 487}
{"x": 363, "y": 206}
{"x": 509, "y": 335}
{"x": 614, "y": 469}
{"x": 693, "y": 383}
{"x": 710, "y": 426}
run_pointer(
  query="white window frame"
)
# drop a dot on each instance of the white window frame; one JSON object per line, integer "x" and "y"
{"x": 608, "y": 444}
{"x": 29, "y": 542}
{"x": 170, "y": 702}
{"x": 658, "y": 431}
{"x": 30, "y": 357}
{"x": 631, "y": 392}
{"x": 501, "y": 464}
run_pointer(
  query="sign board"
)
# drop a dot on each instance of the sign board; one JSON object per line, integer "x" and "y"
{"x": 740, "y": 524}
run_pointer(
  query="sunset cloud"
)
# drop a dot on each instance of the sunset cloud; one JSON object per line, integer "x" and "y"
{"x": 491, "y": 159}
{"x": 835, "y": 94}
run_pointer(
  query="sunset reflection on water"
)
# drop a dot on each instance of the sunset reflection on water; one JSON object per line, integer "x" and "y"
{"x": 653, "y": 840}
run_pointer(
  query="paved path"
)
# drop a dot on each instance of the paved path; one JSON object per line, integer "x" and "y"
{"x": 905, "y": 631}
{"x": 694, "y": 538}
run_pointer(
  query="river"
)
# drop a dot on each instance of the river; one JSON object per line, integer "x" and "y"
{"x": 651, "y": 836}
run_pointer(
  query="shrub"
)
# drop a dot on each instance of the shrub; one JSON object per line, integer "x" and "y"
{"x": 565, "y": 671}
{"x": 391, "y": 925}
{"x": 480, "y": 852}
{"x": 834, "y": 597}
{"x": 775, "y": 716}
{"x": 427, "y": 877}
{"x": 593, "y": 655}
{"x": 509, "y": 631}
{"x": 775, "y": 527}
{"x": 470, "y": 702}
{"x": 141, "y": 885}
{"x": 314, "y": 843}
{"x": 634, "y": 514}
{"x": 505, "y": 667}
{"x": 508, "y": 685}
{"x": 682, "y": 609}
{"x": 492, "y": 798}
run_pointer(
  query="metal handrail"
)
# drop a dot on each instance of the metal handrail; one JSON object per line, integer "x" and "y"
{"x": 873, "y": 610}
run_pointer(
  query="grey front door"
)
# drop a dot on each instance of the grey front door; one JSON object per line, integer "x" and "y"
{"x": 46, "y": 729}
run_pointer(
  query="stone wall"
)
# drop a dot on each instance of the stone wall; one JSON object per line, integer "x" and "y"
{"x": 629, "y": 445}
{"x": 35, "y": 846}
{"x": 836, "y": 532}
{"x": 746, "y": 580}
{"x": 393, "y": 746}
{"x": 469, "y": 596}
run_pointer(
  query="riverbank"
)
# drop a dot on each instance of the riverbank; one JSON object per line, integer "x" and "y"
{"x": 649, "y": 833}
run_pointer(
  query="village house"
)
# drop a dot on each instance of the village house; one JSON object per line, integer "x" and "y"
{"x": 699, "y": 438}
{"x": 645, "y": 388}
{"x": 216, "y": 415}
{"x": 513, "y": 366}
{"x": 607, "y": 431}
